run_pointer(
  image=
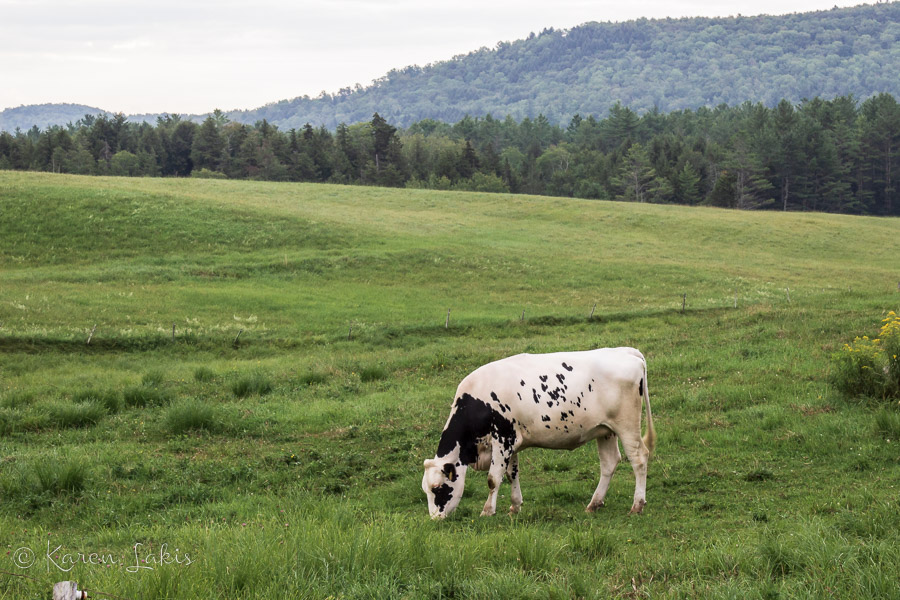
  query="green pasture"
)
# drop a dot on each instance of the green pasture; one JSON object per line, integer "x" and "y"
{"x": 269, "y": 364}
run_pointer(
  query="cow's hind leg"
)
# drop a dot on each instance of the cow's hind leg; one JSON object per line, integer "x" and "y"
{"x": 499, "y": 463}
{"x": 512, "y": 472}
{"x": 638, "y": 455}
{"x": 608, "y": 450}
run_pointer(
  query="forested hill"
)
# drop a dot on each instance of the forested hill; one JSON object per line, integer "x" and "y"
{"x": 44, "y": 115}
{"x": 670, "y": 64}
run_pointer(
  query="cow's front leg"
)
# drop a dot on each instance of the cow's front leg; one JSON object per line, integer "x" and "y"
{"x": 512, "y": 472}
{"x": 499, "y": 462}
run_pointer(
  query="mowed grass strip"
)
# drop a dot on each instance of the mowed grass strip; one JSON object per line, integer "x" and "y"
{"x": 287, "y": 462}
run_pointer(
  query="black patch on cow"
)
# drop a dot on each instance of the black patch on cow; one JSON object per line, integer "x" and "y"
{"x": 544, "y": 387}
{"x": 472, "y": 420}
{"x": 567, "y": 367}
{"x": 641, "y": 387}
{"x": 491, "y": 483}
{"x": 545, "y": 418}
{"x": 550, "y": 404}
{"x": 522, "y": 382}
{"x": 449, "y": 471}
{"x": 543, "y": 378}
{"x": 442, "y": 495}
{"x": 590, "y": 389}
{"x": 537, "y": 397}
{"x": 503, "y": 407}
{"x": 561, "y": 378}
{"x": 563, "y": 416}
{"x": 513, "y": 472}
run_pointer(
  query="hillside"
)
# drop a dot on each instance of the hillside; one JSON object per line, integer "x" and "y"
{"x": 669, "y": 64}
{"x": 250, "y": 374}
{"x": 44, "y": 115}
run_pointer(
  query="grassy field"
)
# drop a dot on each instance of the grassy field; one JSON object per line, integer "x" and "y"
{"x": 269, "y": 365}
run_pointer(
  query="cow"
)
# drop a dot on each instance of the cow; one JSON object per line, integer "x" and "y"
{"x": 561, "y": 401}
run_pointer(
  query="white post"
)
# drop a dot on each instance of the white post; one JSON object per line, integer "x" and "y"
{"x": 68, "y": 590}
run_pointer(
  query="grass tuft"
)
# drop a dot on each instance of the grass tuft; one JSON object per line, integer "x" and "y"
{"x": 143, "y": 396}
{"x": 191, "y": 415}
{"x": 313, "y": 378}
{"x": 84, "y": 414}
{"x": 255, "y": 384}
{"x": 204, "y": 374}
{"x": 887, "y": 422}
{"x": 66, "y": 478}
{"x": 153, "y": 378}
{"x": 109, "y": 399}
{"x": 8, "y": 421}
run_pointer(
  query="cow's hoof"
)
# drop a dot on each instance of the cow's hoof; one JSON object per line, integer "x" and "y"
{"x": 638, "y": 507}
{"x": 592, "y": 507}
{"x": 487, "y": 513}
{"x": 514, "y": 510}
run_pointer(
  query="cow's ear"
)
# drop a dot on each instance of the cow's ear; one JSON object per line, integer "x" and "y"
{"x": 429, "y": 462}
{"x": 450, "y": 471}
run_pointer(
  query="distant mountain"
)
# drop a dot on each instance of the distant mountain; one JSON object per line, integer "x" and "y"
{"x": 44, "y": 115}
{"x": 667, "y": 64}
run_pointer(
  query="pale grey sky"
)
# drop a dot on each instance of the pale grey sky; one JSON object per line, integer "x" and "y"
{"x": 191, "y": 56}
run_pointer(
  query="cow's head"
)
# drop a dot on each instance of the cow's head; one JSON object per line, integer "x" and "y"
{"x": 443, "y": 484}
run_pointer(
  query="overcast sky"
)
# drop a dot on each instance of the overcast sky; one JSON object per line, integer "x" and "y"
{"x": 191, "y": 56}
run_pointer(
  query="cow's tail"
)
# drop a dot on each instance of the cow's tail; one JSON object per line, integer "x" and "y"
{"x": 649, "y": 438}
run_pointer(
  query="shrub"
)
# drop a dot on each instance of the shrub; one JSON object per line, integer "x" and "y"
{"x": 871, "y": 367}
{"x": 255, "y": 383}
{"x": 205, "y": 173}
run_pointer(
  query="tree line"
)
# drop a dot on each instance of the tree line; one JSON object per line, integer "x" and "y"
{"x": 836, "y": 155}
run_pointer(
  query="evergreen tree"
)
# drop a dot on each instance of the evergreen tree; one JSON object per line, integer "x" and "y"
{"x": 637, "y": 180}
{"x": 208, "y": 146}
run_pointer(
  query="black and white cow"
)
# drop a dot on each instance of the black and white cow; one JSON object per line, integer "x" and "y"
{"x": 559, "y": 400}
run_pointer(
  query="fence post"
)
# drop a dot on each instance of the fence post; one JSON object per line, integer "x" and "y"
{"x": 91, "y": 336}
{"x": 447, "y": 322}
